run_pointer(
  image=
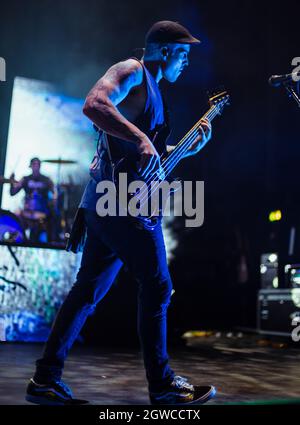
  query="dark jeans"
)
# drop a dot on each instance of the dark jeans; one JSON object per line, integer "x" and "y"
{"x": 112, "y": 241}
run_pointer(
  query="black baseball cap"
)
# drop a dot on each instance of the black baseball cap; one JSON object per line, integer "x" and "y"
{"x": 33, "y": 160}
{"x": 169, "y": 32}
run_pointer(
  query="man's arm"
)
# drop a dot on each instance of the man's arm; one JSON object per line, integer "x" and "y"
{"x": 108, "y": 92}
{"x": 100, "y": 107}
{"x": 15, "y": 186}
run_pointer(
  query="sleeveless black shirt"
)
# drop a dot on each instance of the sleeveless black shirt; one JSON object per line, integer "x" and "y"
{"x": 151, "y": 120}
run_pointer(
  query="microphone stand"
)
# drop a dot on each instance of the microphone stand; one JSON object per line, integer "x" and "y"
{"x": 291, "y": 92}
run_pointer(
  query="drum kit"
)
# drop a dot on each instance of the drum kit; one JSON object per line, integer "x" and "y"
{"x": 21, "y": 226}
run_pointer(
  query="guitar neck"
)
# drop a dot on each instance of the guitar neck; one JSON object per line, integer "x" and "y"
{"x": 181, "y": 148}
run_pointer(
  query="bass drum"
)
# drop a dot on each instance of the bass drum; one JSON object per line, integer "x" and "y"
{"x": 11, "y": 229}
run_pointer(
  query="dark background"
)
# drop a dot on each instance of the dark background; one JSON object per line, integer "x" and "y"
{"x": 249, "y": 168}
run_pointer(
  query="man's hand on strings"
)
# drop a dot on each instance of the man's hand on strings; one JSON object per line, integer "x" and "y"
{"x": 150, "y": 159}
{"x": 204, "y": 135}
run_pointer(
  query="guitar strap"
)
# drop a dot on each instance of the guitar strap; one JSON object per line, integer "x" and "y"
{"x": 106, "y": 142}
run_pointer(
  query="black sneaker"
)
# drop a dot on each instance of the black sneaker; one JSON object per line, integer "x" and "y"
{"x": 56, "y": 392}
{"x": 180, "y": 391}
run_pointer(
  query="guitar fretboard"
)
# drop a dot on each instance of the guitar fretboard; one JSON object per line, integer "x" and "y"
{"x": 181, "y": 148}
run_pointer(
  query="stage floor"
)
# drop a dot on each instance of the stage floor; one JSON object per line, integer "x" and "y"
{"x": 242, "y": 372}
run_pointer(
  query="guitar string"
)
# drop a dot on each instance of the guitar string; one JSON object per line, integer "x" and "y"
{"x": 177, "y": 153}
{"x": 182, "y": 141}
{"x": 170, "y": 162}
{"x": 214, "y": 110}
{"x": 175, "y": 156}
{"x": 179, "y": 147}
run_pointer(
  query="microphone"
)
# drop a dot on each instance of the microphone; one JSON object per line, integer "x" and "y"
{"x": 278, "y": 80}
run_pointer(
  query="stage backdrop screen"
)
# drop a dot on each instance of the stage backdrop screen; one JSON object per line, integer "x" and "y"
{"x": 49, "y": 125}
{"x": 33, "y": 284}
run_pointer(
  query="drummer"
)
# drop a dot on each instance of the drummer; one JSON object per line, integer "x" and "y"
{"x": 39, "y": 191}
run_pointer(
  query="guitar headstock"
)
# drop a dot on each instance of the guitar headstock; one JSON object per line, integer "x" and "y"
{"x": 219, "y": 99}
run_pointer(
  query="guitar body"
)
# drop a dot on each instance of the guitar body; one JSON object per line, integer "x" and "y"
{"x": 125, "y": 176}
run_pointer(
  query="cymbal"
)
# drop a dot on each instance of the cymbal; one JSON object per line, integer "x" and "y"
{"x": 60, "y": 161}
